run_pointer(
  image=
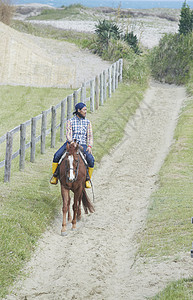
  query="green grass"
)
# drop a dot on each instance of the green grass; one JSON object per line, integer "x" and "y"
{"x": 168, "y": 229}
{"x": 109, "y": 121}
{"x": 73, "y": 11}
{"x": 78, "y": 38}
{"x": 25, "y": 103}
{"x": 29, "y": 203}
{"x": 180, "y": 290}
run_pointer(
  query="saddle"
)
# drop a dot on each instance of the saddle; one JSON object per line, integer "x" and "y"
{"x": 83, "y": 156}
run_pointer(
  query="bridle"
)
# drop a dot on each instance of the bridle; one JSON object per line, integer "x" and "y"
{"x": 68, "y": 168}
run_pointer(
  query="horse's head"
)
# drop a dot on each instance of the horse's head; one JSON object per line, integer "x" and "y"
{"x": 72, "y": 161}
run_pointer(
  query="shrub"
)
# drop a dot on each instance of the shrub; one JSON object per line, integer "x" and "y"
{"x": 117, "y": 49}
{"x": 132, "y": 40}
{"x": 171, "y": 59}
{"x": 105, "y": 31}
{"x": 6, "y": 11}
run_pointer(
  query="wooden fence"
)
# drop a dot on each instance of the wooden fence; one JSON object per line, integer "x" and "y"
{"x": 95, "y": 91}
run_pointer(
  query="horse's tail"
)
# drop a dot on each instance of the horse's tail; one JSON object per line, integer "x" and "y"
{"x": 86, "y": 203}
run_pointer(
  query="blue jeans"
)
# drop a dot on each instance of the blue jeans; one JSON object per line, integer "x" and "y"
{"x": 89, "y": 156}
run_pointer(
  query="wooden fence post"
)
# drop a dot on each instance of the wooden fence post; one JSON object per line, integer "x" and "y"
{"x": 69, "y": 107}
{"x": 120, "y": 70}
{"x": 62, "y": 119}
{"x": 33, "y": 139}
{"x": 22, "y": 146}
{"x": 116, "y": 74}
{"x": 92, "y": 95}
{"x": 104, "y": 86}
{"x": 83, "y": 93}
{"x": 53, "y": 127}
{"x": 75, "y": 97}
{"x": 113, "y": 78}
{"x": 101, "y": 89}
{"x": 8, "y": 157}
{"x": 43, "y": 132}
{"x": 97, "y": 92}
{"x": 109, "y": 81}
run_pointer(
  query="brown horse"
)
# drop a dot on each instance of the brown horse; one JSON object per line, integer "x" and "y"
{"x": 72, "y": 176}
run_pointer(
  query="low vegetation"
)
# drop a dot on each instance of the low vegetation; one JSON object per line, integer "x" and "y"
{"x": 172, "y": 59}
{"x": 32, "y": 101}
{"x": 65, "y": 12}
{"x": 81, "y": 39}
{"x": 180, "y": 290}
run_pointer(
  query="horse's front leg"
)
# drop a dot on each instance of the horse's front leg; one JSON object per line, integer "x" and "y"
{"x": 69, "y": 213}
{"x": 65, "y": 197}
{"x": 77, "y": 195}
{"x": 79, "y": 209}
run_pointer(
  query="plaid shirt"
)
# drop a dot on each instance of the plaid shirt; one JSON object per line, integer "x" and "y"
{"x": 79, "y": 129}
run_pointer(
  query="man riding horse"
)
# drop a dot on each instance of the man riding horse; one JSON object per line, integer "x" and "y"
{"x": 80, "y": 129}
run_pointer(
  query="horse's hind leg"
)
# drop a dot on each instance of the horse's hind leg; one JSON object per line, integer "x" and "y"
{"x": 79, "y": 210}
{"x": 65, "y": 197}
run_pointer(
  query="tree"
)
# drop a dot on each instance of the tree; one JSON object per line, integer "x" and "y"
{"x": 186, "y": 19}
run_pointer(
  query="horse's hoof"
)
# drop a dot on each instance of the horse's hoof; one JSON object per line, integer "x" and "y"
{"x": 63, "y": 233}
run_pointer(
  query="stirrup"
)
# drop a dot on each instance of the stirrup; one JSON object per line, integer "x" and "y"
{"x": 88, "y": 184}
{"x": 53, "y": 180}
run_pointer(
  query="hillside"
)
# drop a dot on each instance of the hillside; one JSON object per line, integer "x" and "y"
{"x": 29, "y": 60}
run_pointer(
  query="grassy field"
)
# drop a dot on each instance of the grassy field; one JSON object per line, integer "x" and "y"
{"x": 180, "y": 290}
{"x": 78, "y": 38}
{"x": 25, "y": 103}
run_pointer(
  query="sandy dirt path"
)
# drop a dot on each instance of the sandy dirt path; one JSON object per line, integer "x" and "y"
{"x": 98, "y": 260}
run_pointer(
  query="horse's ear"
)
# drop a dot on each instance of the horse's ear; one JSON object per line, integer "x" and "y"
{"x": 67, "y": 147}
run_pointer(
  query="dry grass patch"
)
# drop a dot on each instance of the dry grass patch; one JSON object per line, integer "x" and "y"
{"x": 6, "y": 11}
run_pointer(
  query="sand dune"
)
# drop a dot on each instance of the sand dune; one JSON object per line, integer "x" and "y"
{"x": 33, "y": 61}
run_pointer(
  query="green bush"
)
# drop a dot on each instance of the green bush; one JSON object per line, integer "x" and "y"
{"x": 132, "y": 40}
{"x": 190, "y": 81}
{"x": 171, "y": 59}
{"x": 106, "y": 31}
